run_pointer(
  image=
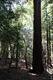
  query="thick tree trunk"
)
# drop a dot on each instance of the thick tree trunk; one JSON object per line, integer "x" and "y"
{"x": 37, "y": 45}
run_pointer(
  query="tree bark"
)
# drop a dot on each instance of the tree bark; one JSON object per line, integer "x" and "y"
{"x": 26, "y": 58}
{"x": 17, "y": 54}
{"x": 37, "y": 45}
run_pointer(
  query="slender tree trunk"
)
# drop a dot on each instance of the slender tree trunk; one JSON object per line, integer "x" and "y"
{"x": 48, "y": 47}
{"x": 52, "y": 41}
{"x": 37, "y": 45}
{"x": 26, "y": 58}
{"x": 10, "y": 64}
{"x": 7, "y": 53}
{"x": 16, "y": 54}
{"x": 10, "y": 59}
{"x": 13, "y": 49}
{"x": 3, "y": 49}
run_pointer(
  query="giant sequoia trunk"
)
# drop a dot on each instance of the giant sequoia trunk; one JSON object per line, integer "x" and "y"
{"x": 37, "y": 45}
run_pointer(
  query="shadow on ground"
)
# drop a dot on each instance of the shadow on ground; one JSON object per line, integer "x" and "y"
{"x": 22, "y": 74}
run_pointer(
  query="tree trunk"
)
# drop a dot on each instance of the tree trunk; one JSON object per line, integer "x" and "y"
{"x": 3, "y": 49}
{"x": 37, "y": 45}
{"x": 10, "y": 59}
{"x": 16, "y": 55}
{"x": 7, "y": 53}
{"x": 48, "y": 47}
{"x": 26, "y": 58}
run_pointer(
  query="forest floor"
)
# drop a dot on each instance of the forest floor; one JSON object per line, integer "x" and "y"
{"x": 21, "y": 74}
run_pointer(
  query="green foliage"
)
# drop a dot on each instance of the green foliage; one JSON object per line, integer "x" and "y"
{"x": 13, "y": 22}
{"x": 47, "y": 26}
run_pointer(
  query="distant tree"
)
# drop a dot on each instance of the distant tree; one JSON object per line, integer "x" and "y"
{"x": 46, "y": 17}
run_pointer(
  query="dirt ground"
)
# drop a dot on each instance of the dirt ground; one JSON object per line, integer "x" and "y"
{"x": 21, "y": 73}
